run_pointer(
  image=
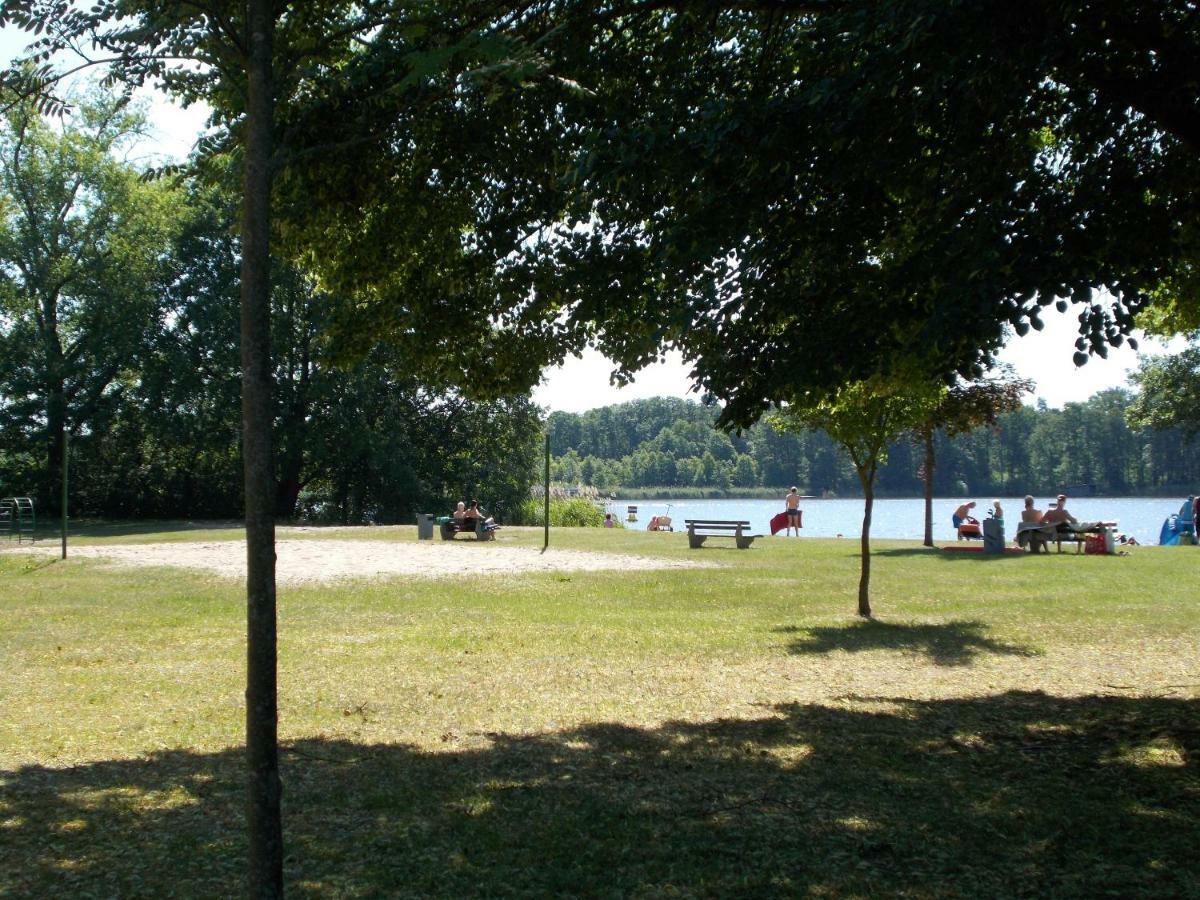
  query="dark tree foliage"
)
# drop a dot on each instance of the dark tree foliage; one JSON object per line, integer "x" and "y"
{"x": 367, "y": 442}
{"x": 800, "y": 194}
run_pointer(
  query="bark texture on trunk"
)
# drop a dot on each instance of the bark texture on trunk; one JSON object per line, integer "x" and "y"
{"x": 928, "y": 479}
{"x": 263, "y": 789}
{"x": 56, "y": 417}
{"x": 864, "y": 578}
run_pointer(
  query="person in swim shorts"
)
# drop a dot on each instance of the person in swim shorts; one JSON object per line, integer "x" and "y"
{"x": 791, "y": 505}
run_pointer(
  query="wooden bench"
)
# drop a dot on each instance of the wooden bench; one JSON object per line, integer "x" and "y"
{"x": 700, "y": 530}
{"x": 1078, "y": 534}
{"x": 476, "y": 527}
{"x": 1036, "y": 536}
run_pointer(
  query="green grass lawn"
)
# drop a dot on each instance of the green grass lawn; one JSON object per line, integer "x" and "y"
{"x": 1006, "y": 727}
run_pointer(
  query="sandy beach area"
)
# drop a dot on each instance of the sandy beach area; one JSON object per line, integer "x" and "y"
{"x": 308, "y": 561}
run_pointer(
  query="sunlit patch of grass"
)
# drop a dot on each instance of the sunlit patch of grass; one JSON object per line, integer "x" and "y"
{"x": 857, "y": 824}
{"x": 1160, "y": 752}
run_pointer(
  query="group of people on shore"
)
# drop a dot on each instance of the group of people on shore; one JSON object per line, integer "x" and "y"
{"x": 1056, "y": 514}
{"x": 1036, "y": 528}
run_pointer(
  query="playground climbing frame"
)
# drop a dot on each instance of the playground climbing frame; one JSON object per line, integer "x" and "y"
{"x": 18, "y": 519}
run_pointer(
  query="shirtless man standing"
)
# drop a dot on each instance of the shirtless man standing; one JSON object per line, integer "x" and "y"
{"x": 791, "y": 503}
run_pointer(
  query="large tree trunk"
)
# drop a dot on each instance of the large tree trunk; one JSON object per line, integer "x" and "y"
{"x": 49, "y": 498}
{"x": 864, "y": 579}
{"x": 56, "y": 406}
{"x": 929, "y": 461}
{"x": 289, "y": 452}
{"x": 287, "y": 493}
{"x": 265, "y": 831}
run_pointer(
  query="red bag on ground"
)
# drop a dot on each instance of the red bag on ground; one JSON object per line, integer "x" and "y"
{"x": 1094, "y": 543}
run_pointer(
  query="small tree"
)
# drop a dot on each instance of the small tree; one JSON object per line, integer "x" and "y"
{"x": 864, "y": 417}
{"x": 964, "y": 408}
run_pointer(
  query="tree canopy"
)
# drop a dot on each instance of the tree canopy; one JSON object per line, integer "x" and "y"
{"x": 1168, "y": 393}
{"x": 83, "y": 247}
{"x": 801, "y": 194}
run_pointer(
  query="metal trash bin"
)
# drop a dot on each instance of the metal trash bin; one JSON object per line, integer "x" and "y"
{"x": 993, "y": 535}
{"x": 425, "y": 523}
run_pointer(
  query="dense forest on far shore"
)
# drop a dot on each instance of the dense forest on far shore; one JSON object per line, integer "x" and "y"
{"x": 668, "y": 446}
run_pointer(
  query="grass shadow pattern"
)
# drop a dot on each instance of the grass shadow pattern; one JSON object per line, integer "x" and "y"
{"x": 1010, "y": 795}
{"x": 946, "y": 644}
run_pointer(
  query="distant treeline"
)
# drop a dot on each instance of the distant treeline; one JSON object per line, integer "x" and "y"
{"x": 668, "y": 443}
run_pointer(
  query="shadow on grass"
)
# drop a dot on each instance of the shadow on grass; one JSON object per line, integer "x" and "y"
{"x": 946, "y": 644}
{"x": 970, "y": 556}
{"x": 110, "y": 528}
{"x": 1019, "y": 794}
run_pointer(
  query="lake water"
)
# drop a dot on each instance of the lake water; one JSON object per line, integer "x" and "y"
{"x": 1141, "y": 517}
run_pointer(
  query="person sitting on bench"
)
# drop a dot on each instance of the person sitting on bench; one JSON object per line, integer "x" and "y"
{"x": 475, "y": 514}
{"x": 1029, "y": 532}
{"x": 460, "y": 512}
{"x": 1031, "y": 514}
{"x": 1058, "y": 516}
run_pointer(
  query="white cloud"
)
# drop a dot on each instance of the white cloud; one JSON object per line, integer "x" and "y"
{"x": 1046, "y": 357}
{"x": 582, "y": 384}
{"x": 1043, "y": 356}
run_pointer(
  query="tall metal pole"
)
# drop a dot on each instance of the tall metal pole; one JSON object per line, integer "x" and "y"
{"x": 546, "y": 510}
{"x": 66, "y": 455}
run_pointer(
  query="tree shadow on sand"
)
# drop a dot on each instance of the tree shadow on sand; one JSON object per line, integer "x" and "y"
{"x": 1010, "y": 795}
{"x": 945, "y": 643}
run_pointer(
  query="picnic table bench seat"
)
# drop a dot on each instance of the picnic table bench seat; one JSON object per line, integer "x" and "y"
{"x": 1078, "y": 534}
{"x": 700, "y": 530}
{"x": 1036, "y": 536}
